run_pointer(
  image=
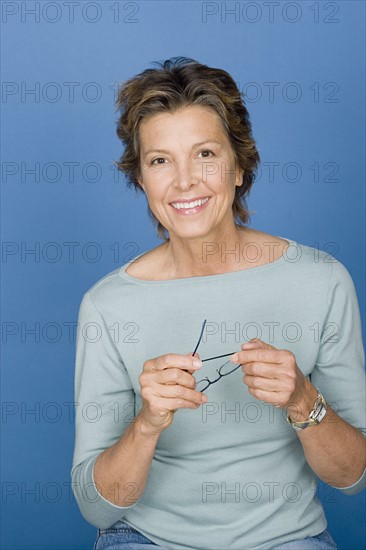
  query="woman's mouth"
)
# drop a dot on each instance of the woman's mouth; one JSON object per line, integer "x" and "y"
{"x": 190, "y": 208}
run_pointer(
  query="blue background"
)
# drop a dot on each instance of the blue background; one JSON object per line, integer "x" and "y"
{"x": 312, "y": 127}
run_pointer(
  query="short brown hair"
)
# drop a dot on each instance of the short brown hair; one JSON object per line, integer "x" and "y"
{"x": 179, "y": 82}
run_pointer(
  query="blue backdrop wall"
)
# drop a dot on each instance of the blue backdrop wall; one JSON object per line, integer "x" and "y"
{"x": 68, "y": 218}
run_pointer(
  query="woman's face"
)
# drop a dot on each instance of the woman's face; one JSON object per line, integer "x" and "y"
{"x": 186, "y": 157}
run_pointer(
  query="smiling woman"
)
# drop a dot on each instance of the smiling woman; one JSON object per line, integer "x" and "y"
{"x": 190, "y": 84}
{"x": 213, "y": 475}
{"x": 191, "y": 189}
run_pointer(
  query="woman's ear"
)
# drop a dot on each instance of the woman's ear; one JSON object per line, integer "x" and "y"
{"x": 239, "y": 177}
{"x": 139, "y": 181}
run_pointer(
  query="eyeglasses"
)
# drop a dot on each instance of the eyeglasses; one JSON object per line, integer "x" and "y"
{"x": 224, "y": 370}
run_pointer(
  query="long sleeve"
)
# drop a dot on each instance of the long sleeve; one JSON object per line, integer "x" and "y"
{"x": 105, "y": 405}
{"x": 339, "y": 372}
{"x": 208, "y": 462}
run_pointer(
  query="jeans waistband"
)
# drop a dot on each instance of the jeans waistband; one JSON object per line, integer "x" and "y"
{"x": 123, "y": 526}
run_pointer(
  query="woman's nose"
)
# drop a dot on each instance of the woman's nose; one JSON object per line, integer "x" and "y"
{"x": 185, "y": 176}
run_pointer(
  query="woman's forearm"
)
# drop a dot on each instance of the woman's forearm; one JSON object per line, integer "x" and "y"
{"x": 121, "y": 471}
{"x": 334, "y": 449}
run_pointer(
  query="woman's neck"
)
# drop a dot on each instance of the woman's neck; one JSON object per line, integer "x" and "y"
{"x": 204, "y": 256}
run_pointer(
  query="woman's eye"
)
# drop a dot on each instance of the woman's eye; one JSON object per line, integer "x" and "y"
{"x": 158, "y": 158}
{"x": 204, "y": 151}
{"x": 207, "y": 151}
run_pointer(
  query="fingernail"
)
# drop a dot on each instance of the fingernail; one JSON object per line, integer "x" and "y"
{"x": 204, "y": 398}
{"x": 234, "y": 357}
{"x": 197, "y": 363}
{"x": 246, "y": 345}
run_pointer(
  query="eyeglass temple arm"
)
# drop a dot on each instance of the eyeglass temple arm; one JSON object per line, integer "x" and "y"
{"x": 199, "y": 339}
{"x": 218, "y": 356}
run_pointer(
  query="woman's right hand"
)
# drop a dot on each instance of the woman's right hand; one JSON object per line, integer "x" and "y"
{"x": 167, "y": 384}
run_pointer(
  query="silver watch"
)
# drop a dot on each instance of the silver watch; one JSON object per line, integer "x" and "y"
{"x": 316, "y": 415}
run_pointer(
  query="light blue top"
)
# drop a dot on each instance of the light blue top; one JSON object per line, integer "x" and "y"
{"x": 232, "y": 473}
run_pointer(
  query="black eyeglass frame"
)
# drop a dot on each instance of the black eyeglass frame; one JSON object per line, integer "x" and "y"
{"x": 210, "y": 359}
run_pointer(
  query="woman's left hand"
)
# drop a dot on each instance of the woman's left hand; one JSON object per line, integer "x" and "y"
{"x": 272, "y": 375}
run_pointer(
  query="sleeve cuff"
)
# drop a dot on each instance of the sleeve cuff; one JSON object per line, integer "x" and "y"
{"x": 97, "y": 510}
{"x": 104, "y": 501}
{"x": 356, "y": 487}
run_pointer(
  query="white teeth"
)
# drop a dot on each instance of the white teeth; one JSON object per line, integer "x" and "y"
{"x": 179, "y": 205}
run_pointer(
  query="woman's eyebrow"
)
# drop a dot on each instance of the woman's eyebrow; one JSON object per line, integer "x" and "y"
{"x": 193, "y": 146}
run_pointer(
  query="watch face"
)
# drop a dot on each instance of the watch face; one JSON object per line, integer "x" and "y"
{"x": 315, "y": 417}
{"x": 321, "y": 415}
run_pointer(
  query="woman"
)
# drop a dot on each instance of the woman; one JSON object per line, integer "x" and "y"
{"x": 176, "y": 453}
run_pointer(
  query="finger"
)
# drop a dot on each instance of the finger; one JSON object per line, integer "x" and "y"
{"x": 264, "y": 384}
{"x": 191, "y": 371}
{"x": 265, "y": 370}
{"x": 277, "y": 398}
{"x": 258, "y": 355}
{"x": 169, "y": 360}
{"x": 180, "y": 392}
{"x": 256, "y": 343}
{"x": 173, "y": 404}
{"x": 174, "y": 376}
{"x": 250, "y": 345}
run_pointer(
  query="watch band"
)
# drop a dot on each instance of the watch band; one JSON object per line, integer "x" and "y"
{"x": 316, "y": 415}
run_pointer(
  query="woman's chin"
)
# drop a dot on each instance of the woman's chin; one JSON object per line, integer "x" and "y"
{"x": 189, "y": 233}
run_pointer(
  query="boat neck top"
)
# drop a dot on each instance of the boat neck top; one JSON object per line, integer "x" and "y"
{"x": 286, "y": 257}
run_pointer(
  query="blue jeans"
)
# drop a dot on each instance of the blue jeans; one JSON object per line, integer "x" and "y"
{"x": 121, "y": 535}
